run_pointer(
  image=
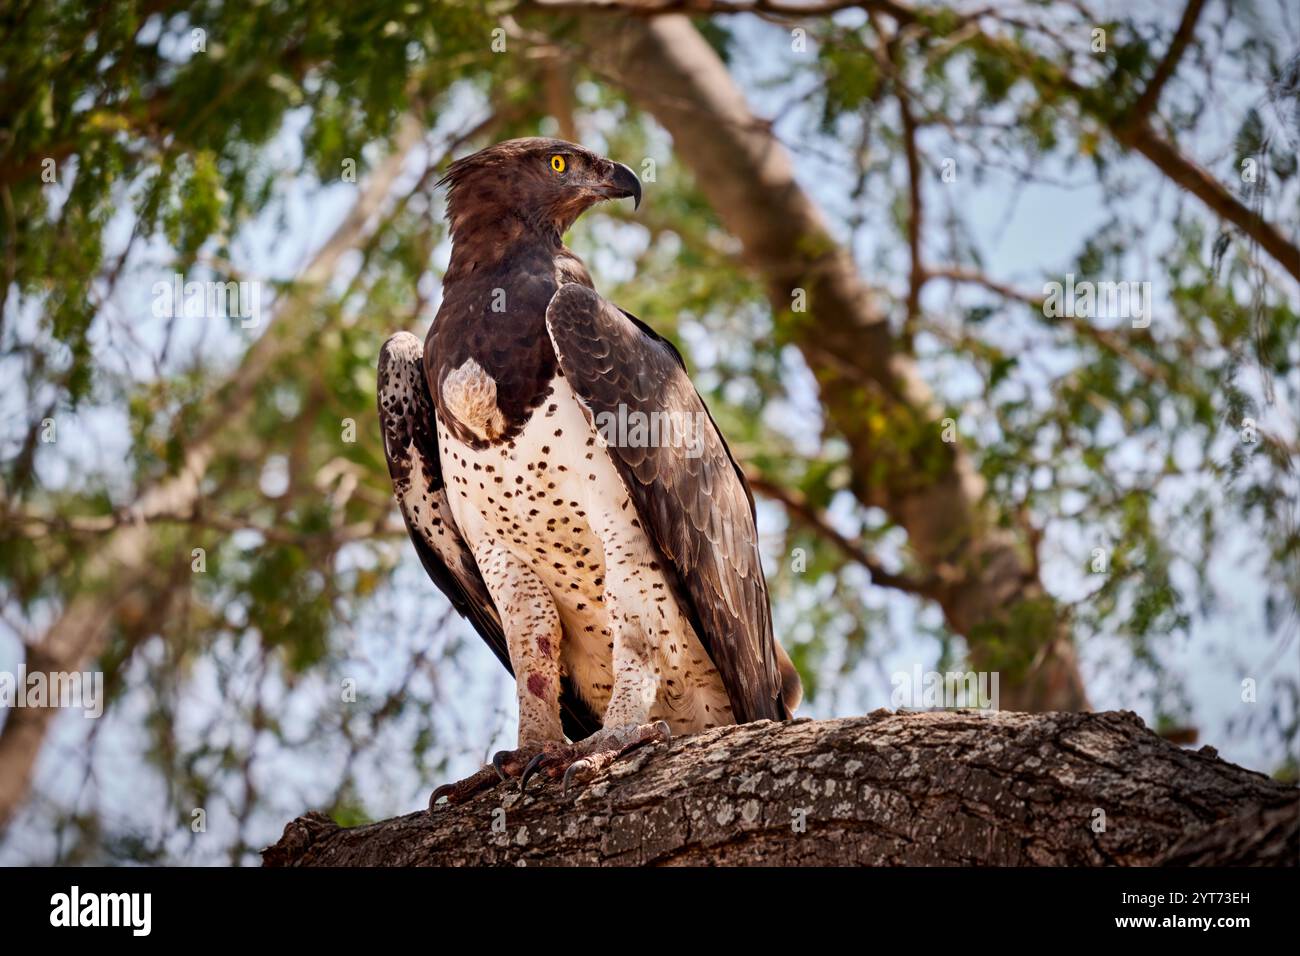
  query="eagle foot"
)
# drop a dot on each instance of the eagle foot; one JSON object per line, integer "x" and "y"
{"x": 506, "y": 765}
{"x": 582, "y": 761}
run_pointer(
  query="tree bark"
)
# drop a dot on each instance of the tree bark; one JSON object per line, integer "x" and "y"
{"x": 982, "y": 574}
{"x": 935, "y": 788}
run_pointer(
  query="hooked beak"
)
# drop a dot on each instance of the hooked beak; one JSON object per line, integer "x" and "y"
{"x": 621, "y": 183}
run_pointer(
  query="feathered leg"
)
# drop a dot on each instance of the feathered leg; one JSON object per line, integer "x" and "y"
{"x": 533, "y": 634}
{"x": 634, "y": 608}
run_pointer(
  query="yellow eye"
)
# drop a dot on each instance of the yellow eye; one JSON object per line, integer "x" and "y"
{"x": 557, "y": 163}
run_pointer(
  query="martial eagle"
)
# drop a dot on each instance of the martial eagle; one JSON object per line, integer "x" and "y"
{"x": 614, "y": 571}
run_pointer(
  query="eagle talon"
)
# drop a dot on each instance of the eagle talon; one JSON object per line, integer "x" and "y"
{"x": 498, "y": 764}
{"x": 529, "y": 770}
{"x": 574, "y": 767}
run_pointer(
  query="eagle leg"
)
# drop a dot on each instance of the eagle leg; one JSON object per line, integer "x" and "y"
{"x": 587, "y": 758}
{"x": 533, "y": 635}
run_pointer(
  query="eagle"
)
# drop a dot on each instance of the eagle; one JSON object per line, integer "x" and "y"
{"x": 567, "y": 489}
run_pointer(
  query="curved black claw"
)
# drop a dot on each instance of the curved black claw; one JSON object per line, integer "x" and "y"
{"x": 577, "y": 765}
{"x": 529, "y": 770}
{"x": 498, "y": 764}
{"x": 485, "y": 778}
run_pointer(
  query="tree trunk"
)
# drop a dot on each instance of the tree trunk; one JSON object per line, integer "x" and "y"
{"x": 938, "y": 788}
{"x": 982, "y": 575}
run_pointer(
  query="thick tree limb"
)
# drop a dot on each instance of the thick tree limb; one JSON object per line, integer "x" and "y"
{"x": 941, "y": 788}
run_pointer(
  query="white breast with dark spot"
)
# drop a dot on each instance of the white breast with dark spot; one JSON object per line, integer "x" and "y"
{"x": 554, "y": 498}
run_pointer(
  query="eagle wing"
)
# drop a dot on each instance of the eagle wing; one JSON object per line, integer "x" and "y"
{"x": 409, "y": 427}
{"x": 691, "y": 496}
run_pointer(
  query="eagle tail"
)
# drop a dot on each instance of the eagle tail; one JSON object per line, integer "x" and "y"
{"x": 791, "y": 685}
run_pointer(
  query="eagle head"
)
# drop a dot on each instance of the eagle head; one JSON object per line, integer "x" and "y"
{"x": 545, "y": 183}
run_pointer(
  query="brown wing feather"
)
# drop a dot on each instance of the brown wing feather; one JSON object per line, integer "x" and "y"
{"x": 698, "y": 509}
{"x": 409, "y": 429}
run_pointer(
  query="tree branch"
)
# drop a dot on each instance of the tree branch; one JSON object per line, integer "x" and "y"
{"x": 918, "y": 789}
{"x": 1146, "y": 103}
{"x": 801, "y": 509}
{"x": 887, "y": 55}
{"x": 1134, "y": 131}
{"x": 1186, "y": 173}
